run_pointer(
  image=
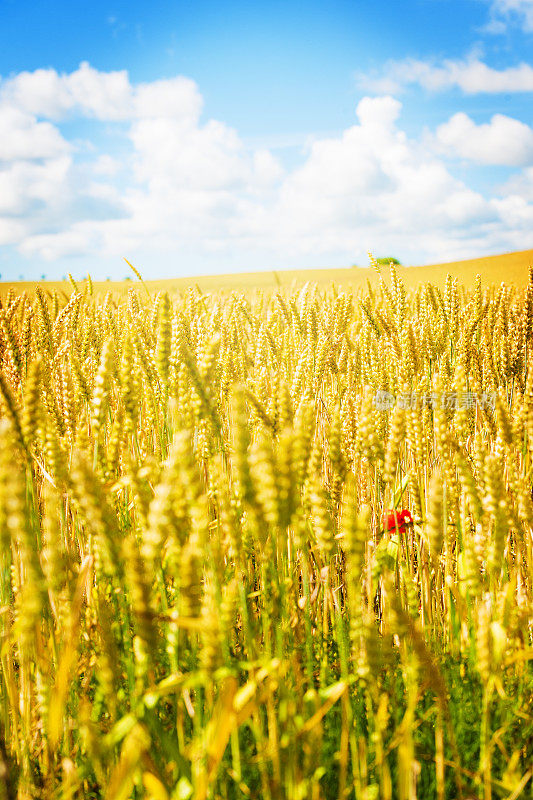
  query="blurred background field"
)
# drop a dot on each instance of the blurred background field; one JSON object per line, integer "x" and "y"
{"x": 511, "y": 268}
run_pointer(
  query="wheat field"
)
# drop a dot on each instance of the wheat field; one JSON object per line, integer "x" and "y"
{"x": 202, "y": 592}
{"x": 513, "y": 268}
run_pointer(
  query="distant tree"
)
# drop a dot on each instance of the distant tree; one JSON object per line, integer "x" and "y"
{"x": 384, "y": 262}
{"x": 128, "y": 278}
{"x": 43, "y": 277}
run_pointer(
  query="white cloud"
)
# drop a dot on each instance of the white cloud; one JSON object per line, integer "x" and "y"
{"x": 520, "y": 185}
{"x": 100, "y": 95}
{"x": 374, "y": 185}
{"x": 12, "y": 231}
{"x": 506, "y": 12}
{"x": 209, "y": 156}
{"x": 378, "y": 112}
{"x": 503, "y": 140}
{"x": 186, "y": 190}
{"x": 22, "y": 137}
{"x": 471, "y": 76}
{"x": 26, "y": 187}
{"x": 46, "y": 93}
{"x": 56, "y": 245}
{"x": 514, "y": 212}
{"x": 176, "y": 98}
{"x": 267, "y": 169}
{"x": 106, "y": 165}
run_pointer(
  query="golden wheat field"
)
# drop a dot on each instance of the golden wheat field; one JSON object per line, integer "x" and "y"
{"x": 205, "y": 592}
{"x": 513, "y": 268}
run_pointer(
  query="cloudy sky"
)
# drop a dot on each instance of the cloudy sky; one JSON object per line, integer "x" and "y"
{"x": 224, "y": 136}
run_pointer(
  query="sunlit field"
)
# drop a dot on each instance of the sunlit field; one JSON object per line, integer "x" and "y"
{"x": 205, "y": 589}
{"x": 513, "y": 268}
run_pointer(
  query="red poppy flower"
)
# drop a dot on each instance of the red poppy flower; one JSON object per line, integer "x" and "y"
{"x": 391, "y": 519}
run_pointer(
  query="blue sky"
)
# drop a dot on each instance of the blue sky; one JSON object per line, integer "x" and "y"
{"x": 215, "y": 136}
